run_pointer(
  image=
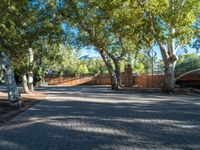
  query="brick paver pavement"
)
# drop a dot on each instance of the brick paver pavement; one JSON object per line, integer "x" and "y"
{"x": 91, "y": 118}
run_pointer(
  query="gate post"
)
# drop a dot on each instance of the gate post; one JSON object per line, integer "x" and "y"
{"x": 128, "y": 76}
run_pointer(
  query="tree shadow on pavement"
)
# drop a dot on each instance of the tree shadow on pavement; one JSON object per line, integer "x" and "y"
{"x": 88, "y": 120}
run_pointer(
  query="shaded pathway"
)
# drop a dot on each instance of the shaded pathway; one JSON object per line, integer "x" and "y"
{"x": 93, "y": 118}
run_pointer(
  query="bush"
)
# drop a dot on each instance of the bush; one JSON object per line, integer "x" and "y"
{"x": 188, "y": 62}
{"x": 82, "y": 70}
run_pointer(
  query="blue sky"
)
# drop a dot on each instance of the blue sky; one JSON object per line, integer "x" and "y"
{"x": 93, "y": 53}
{"x": 90, "y": 51}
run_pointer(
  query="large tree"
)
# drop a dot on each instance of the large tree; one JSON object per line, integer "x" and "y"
{"x": 23, "y": 23}
{"x": 41, "y": 23}
{"x": 11, "y": 16}
{"x": 100, "y": 24}
{"x": 170, "y": 23}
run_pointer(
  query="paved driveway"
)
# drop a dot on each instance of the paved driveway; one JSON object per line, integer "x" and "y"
{"x": 96, "y": 118}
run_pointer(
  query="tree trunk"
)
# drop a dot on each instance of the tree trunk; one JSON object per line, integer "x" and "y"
{"x": 186, "y": 73}
{"x": 169, "y": 82}
{"x": 25, "y": 83}
{"x": 13, "y": 92}
{"x": 112, "y": 73}
{"x": 169, "y": 59}
{"x": 41, "y": 69}
{"x": 117, "y": 71}
{"x": 1, "y": 75}
{"x": 30, "y": 81}
{"x": 30, "y": 72}
{"x": 114, "y": 83}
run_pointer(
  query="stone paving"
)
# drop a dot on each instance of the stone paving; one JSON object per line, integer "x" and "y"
{"x": 96, "y": 118}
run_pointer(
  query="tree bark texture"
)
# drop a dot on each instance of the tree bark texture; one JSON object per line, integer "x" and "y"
{"x": 117, "y": 71}
{"x": 25, "y": 83}
{"x": 112, "y": 73}
{"x": 30, "y": 70}
{"x": 169, "y": 59}
{"x": 13, "y": 92}
{"x": 169, "y": 82}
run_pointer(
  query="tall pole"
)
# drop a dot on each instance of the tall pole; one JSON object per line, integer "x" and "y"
{"x": 152, "y": 54}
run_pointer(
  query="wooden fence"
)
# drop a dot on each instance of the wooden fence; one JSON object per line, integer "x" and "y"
{"x": 141, "y": 80}
{"x": 71, "y": 81}
{"x": 147, "y": 80}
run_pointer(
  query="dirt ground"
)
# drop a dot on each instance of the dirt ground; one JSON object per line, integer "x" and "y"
{"x": 8, "y": 110}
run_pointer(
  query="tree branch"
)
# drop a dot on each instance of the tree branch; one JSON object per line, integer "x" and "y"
{"x": 163, "y": 52}
{"x": 123, "y": 49}
{"x": 186, "y": 73}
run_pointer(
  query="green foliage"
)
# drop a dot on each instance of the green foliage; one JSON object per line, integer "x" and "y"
{"x": 96, "y": 66}
{"x": 82, "y": 70}
{"x": 187, "y": 62}
{"x": 172, "y": 19}
{"x": 22, "y": 25}
{"x": 87, "y": 67}
{"x": 139, "y": 67}
{"x": 64, "y": 61}
{"x": 11, "y": 19}
{"x": 118, "y": 28}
